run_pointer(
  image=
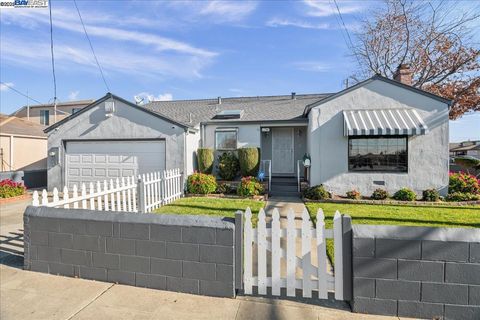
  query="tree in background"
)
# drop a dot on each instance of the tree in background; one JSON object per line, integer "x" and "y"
{"x": 435, "y": 39}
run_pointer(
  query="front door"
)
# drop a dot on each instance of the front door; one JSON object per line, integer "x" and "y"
{"x": 282, "y": 150}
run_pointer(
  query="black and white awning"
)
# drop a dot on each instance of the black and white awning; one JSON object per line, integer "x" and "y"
{"x": 383, "y": 122}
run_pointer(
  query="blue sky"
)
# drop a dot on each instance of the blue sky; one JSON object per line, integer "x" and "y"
{"x": 183, "y": 50}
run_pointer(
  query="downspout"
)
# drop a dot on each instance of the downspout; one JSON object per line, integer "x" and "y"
{"x": 11, "y": 153}
{"x": 184, "y": 158}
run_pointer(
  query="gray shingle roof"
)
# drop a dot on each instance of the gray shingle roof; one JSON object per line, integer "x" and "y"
{"x": 266, "y": 108}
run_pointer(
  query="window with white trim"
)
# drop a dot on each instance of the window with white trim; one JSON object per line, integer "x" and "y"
{"x": 226, "y": 139}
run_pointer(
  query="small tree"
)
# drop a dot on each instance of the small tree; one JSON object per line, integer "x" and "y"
{"x": 205, "y": 160}
{"x": 249, "y": 161}
{"x": 227, "y": 166}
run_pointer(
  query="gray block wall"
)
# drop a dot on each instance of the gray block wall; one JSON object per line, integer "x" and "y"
{"x": 418, "y": 272}
{"x": 192, "y": 254}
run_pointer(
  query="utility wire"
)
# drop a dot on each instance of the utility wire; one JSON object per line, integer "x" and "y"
{"x": 53, "y": 66}
{"x": 350, "y": 44}
{"x": 20, "y": 93}
{"x": 91, "y": 47}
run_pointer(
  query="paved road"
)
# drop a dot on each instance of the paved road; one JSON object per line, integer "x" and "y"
{"x": 31, "y": 295}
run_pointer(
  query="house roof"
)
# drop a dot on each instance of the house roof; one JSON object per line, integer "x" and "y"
{"x": 262, "y": 108}
{"x": 367, "y": 81}
{"x": 17, "y": 126}
{"x": 77, "y": 103}
{"x": 465, "y": 146}
{"x": 112, "y": 96}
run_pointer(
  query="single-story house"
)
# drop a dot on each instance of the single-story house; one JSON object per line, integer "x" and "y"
{"x": 465, "y": 148}
{"x": 379, "y": 133}
{"x": 23, "y": 145}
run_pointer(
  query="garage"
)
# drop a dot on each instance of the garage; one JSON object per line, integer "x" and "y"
{"x": 91, "y": 161}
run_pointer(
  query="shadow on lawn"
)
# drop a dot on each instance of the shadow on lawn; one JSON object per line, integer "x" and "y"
{"x": 207, "y": 210}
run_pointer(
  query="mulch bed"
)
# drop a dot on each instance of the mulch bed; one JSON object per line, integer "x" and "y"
{"x": 227, "y": 196}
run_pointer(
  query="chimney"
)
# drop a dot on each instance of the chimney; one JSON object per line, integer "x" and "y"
{"x": 403, "y": 74}
{"x": 293, "y": 95}
{"x": 219, "y": 100}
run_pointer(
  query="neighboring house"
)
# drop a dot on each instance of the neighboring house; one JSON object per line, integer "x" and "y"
{"x": 380, "y": 133}
{"x": 44, "y": 114}
{"x": 465, "y": 148}
{"x": 23, "y": 145}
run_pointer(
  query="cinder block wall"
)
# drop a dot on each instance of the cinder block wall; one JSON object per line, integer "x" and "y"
{"x": 193, "y": 254}
{"x": 416, "y": 272}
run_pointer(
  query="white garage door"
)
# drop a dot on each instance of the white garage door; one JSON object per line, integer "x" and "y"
{"x": 90, "y": 161}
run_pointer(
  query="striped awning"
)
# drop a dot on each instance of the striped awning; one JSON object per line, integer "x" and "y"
{"x": 383, "y": 122}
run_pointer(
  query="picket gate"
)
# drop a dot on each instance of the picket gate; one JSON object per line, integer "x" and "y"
{"x": 314, "y": 277}
{"x": 128, "y": 194}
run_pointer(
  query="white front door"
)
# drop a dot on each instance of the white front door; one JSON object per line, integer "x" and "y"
{"x": 91, "y": 161}
{"x": 282, "y": 150}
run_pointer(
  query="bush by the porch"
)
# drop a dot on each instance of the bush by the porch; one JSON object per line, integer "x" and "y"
{"x": 205, "y": 160}
{"x": 249, "y": 186}
{"x": 354, "y": 194}
{"x": 249, "y": 161}
{"x": 200, "y": 183}
{"x": 228, "y": 166}
{"x": 317, "y": 193}
{"x": 10, "y": 188}
{"x": 462, "y": 196}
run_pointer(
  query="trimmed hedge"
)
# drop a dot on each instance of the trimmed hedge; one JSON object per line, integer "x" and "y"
{"x": 205, "y": 160}
{"x": 249, "y": 159}
{"x": 228, "y": 166}
{"x": 430, "y": 195}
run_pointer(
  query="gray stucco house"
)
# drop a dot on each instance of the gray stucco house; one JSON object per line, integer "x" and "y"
{"x": 379, "y": 133}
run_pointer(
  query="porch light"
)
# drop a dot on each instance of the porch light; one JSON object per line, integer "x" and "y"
{"x": 306, "y": 160}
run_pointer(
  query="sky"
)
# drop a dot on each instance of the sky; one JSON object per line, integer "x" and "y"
{"x": 165, "y": 50}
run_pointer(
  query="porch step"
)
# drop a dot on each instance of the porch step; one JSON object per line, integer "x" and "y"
{"x": 284, "y": 194}
{"x": 284, "y": 181}
{"x": 284, "y": 187}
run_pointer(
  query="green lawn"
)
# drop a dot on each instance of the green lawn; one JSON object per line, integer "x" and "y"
{"x": 434, "y": 216}
{"x": 211, "y": 206}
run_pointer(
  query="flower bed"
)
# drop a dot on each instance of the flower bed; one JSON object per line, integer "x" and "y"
{"x": 396, "y": 202}
{"x": 10, "y": 189}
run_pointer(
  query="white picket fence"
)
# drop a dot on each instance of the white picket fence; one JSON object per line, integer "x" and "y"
{"x": 314, "y": 277}
{"x": 127, "y": 194}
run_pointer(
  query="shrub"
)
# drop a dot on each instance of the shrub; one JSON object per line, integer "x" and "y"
{"x": 224, "y": 188}
{"x": 205, "y": 160}
{"x": 464, "y": 183}
{"x": 201, "y": 183}
{"x": 379, "y": 194}
{"x": 228, "y": 166}
{"x": 354, "y": 194}
{"x": 9, "y": 188}
{"x": 249, "y": 186}
{"x": 317, "y": 193}
{"x": 430, "y": 195}
{"x": 249, "y": 159}
{"x": 405, "y": 194}
{"x": 460, "y": 196}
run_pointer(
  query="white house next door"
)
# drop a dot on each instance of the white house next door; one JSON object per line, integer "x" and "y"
{"x": 282, "y": 150}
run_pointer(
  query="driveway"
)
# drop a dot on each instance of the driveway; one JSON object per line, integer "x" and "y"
{"x": 32, "y": 295}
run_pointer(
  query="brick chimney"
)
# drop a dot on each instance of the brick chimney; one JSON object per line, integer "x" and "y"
{"x": 403, "y": 74}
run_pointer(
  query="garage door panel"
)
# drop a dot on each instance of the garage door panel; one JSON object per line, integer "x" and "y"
{"x": 91, "y": 161}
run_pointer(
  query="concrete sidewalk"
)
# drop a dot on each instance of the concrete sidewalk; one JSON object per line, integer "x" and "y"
{"x": 31, "y": 295}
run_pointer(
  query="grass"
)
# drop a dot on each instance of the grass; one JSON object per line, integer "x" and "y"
{"x": 212, "y": 206}
{"x": 435, "y": 216}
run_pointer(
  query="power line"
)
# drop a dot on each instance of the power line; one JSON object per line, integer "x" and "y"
{"x": 20, "y": 93}
{"x": 346, "y": 31}
{"x": 53, "y": 67}
{"x": 91, "y": 47}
